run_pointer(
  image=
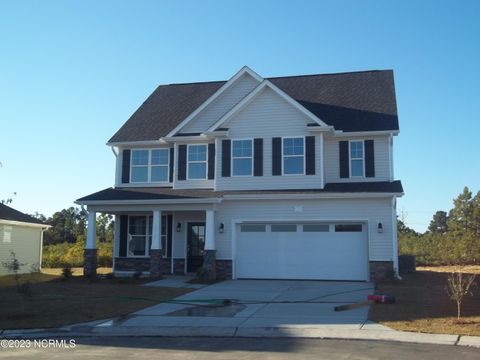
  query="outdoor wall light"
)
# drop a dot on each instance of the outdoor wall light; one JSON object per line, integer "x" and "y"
{"x": 380, "y": 228}
{"x": 221, "y": 228}
{"x": 179, "y": 227}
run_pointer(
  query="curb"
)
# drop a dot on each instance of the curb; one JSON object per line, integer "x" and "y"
{"x": 249, "y": 332}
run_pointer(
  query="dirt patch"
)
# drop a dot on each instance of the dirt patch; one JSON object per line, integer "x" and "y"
{"x": 422, "y": 305}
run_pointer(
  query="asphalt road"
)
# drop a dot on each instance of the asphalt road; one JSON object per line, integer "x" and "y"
{"x": 239, "y": 349}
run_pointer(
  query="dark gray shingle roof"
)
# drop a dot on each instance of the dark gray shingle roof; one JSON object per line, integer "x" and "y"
{"x": 8, "y": 213}
{"x": 354, "y": 101}
{"x": 148, "y": 193}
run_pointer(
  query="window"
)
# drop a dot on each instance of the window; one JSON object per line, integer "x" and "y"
{"x": 149, "y": 165}
{"x": 293, "y": 156}
{"x": 197, "y": 162}
{"x": 316, "y": 228}
{"x": 356, "y": 159}
{"x": 284, "y": 228}
{"x": 140, "y": 235}
{"x": 242, "y": 162}
{"x": 253, "y": 228}
{"x": 7, "y": 234}
{"x": 348, "y": 228}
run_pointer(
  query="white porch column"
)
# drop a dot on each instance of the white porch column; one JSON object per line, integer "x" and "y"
{"x": 210, "y": 230}
{"x": 91, "y": 230}
{"x": 156, "y": 230}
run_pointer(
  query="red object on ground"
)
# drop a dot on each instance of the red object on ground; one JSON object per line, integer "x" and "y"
{"x": 382, "y": 299}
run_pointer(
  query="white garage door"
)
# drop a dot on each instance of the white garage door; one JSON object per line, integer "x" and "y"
{"x": 302, "y": 251}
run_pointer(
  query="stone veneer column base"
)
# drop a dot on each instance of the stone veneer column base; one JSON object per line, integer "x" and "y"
{"x": 209, "y": 264}
{"x": 224, "y": 269}
{"x": 89, "y": 262}
{"x": 156, "y": 262}
{"x": 381, "y": 270}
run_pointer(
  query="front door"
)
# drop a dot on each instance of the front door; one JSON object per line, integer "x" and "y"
{"x": 195, "y": 246}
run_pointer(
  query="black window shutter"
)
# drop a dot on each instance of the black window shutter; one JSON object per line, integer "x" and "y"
{"x": 169, "y": 235}
{"x": 170, "y": 169}
{"x": 276, "y": 156}
{"x": 226, "y": 151}
{"x": 310, "y": 155}
{"x": 123, "y": 235}
{"x": 257, "y": 157}
{"x": 344, "y": 159}
{"x": 369, "y": 158}
{"x": 182, "y": 162}
{"x": 211, "y": 161}
{"x": 126, "y": 166}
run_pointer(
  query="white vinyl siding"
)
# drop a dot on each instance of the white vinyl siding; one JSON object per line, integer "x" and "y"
{"x": 221, "y": 105}
{"x": 266, "y": 117}
{"x": 332, "y": 159}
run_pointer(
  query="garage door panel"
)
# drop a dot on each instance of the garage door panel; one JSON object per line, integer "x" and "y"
{"x": 302, "y": 255}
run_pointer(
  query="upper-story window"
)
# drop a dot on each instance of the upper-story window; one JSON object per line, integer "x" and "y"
{"x": 242, "y": 159}
{"x": 294, "y": 156}
{"x": 357, "y": 160}
{"x": 149, "y": 165}
{"x": 197, "y": 162}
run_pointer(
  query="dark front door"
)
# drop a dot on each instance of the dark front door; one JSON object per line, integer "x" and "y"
{"x": 195, "y": 246}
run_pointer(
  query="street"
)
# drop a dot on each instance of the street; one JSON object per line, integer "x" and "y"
{"x": 240, "y": 348}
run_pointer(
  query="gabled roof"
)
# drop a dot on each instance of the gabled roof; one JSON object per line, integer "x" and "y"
{"x": 10, "y": 214}
{"x": 350, "y": 102}
{"x": 151, "y": 193}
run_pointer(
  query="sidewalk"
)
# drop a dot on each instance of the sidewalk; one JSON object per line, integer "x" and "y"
{"x": 319, "y": 332}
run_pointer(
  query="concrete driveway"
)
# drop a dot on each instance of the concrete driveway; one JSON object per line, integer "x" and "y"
{"x": 258, "y": 304}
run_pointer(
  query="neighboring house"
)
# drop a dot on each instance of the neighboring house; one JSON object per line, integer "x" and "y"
{"x": 275, "y": 178}
{"x": 23, "y": 235}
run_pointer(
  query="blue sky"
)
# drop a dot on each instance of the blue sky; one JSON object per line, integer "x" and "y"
{"x": 72, "y": 72}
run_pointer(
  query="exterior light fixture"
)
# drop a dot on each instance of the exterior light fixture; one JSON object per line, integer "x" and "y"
{"x": 179, "y": 227}
{"x": 380, "y": 228}
{"x": 221, "y": 228}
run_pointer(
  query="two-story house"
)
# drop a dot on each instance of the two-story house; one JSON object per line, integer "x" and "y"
{"x": 273, "y": 178}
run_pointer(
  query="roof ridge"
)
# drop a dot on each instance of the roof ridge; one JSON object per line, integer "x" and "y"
{"x": 330, "y": 74}
{"x": 280, "y": 77}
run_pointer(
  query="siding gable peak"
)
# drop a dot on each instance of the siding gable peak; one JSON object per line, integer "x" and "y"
{"x": 266, "y": 84}
{"x": 239, "y": 85}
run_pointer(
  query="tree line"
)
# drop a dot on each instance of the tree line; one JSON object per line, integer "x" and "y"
{"x": 452, "y": 237}
{"x": 70, "y": 225}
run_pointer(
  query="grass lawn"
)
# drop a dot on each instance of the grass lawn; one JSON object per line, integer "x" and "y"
{"x": 56, "y": 301}
{"x": 423, "y": 305}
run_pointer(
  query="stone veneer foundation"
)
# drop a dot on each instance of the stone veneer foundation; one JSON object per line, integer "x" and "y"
{"x": 381, "y": 270}
{"x": 90, "y": 262}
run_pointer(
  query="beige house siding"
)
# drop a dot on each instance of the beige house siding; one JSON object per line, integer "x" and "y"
{"x": 25, "y": 241}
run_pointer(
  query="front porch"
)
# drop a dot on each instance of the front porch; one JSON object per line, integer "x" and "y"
{"x": 158, "y": 241}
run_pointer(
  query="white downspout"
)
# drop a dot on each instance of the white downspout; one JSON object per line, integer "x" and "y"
{"x": 395, "y": 238}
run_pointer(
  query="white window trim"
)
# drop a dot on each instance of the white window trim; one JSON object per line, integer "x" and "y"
{"x": 304, "y": 155}
{"x": 241, "y": 157}
{"x": 350, "y": 159}
{"x": 147, "y": 235}
{"x": 149, "y": 166}
{"x": 197, "y": 162}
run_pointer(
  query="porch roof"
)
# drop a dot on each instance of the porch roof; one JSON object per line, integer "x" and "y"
{"x": 169, "y": 194}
